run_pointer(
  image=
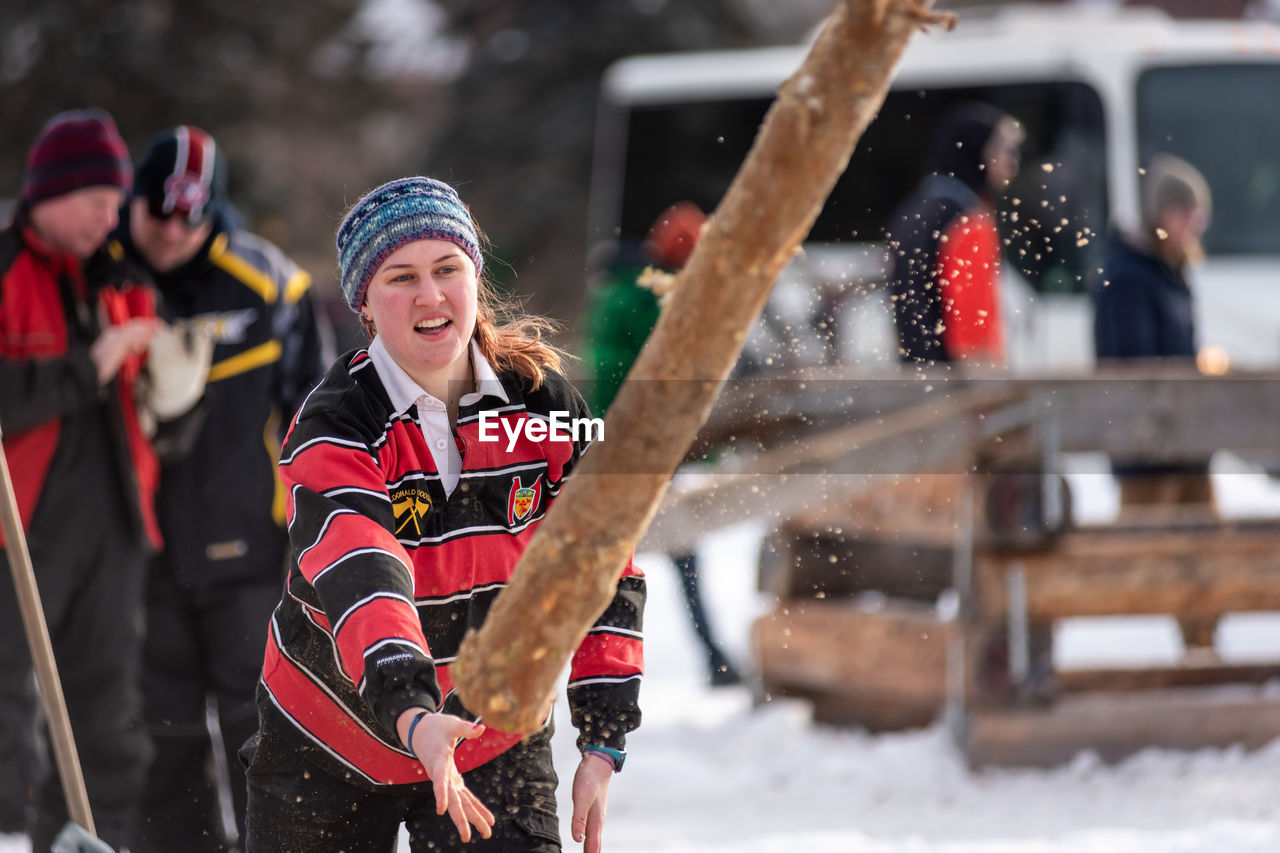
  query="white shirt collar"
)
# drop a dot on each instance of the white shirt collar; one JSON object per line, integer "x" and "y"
{"x": 487, "y": 381}
{"x": 404, "y": 392}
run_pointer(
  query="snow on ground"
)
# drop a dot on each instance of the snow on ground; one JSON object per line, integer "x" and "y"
{"x": 710, "y": 773}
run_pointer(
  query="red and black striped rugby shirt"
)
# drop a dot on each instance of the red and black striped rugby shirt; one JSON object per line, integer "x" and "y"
{"x": 388, "y": 573}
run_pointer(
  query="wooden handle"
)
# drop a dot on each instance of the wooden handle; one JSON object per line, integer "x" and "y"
{"x": 51, "y": 698}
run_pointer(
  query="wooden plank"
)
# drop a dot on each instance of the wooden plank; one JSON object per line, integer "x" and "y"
{"x": 916, "y": 507}
{"x": 873, "y": 712}
{"x": 854, "y": 425}
{"x": 1141, "y": 411}
{"x": 1170, "y": 416}
{"x": 896, "y": 654}
{"x": 760, "y": 412}
{"x": 1157, "y": 678}
{"x": 1116, "y": 725}
{"x": 936, "y": 437}
{"x": 803, "y": 564}
{"x": 1205, "y": 573}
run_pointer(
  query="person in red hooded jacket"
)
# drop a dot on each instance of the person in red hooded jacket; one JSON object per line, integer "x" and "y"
{"x": 944, "y": 246}
{"x": 73, "y": 338}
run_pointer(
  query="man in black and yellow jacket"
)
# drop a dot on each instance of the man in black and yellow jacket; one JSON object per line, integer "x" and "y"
{"x": 221, "y": 510}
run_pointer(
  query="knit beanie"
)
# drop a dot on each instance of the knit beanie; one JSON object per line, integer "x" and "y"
{"x": 392, "y": 216}
{"x": 73, "y": 151}
{"x": 182, "y": 172}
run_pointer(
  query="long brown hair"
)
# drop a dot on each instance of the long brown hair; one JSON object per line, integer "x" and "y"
{"x": 509, "y": 338}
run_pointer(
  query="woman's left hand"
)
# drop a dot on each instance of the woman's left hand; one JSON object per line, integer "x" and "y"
{"x": 590, "y": 798}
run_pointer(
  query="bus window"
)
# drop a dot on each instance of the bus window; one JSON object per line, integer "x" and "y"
{"x": 1050, "y": 218}
{"x": 1211, "y": 117}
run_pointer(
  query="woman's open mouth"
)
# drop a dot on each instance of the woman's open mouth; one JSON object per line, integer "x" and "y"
{"x": 433, "y": 328}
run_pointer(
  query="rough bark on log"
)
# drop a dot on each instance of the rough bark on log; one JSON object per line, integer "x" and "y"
{"x": 566, "y": 578}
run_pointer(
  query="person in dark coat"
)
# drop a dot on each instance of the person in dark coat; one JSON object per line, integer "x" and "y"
{"x": 1145, "y": 310}
{"x": 944, "y": 246}
{"x": 211, "y": 591}
{"x": 1144, "y": 306}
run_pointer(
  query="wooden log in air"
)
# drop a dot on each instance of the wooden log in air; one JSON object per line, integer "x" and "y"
{"x": 566, "y": 578}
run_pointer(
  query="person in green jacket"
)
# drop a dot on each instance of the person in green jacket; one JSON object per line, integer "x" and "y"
{"x": 620, "y": 315}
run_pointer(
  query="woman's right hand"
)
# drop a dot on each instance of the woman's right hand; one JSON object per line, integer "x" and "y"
{"x": 434, "y": 740}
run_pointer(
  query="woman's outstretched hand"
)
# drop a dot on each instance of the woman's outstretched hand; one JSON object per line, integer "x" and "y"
{"x": 434, "y": 739}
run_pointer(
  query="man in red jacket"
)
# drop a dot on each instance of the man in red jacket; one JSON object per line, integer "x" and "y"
{"x": 73, "y": 337}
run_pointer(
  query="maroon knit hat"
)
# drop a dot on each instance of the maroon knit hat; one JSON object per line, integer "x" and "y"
{"x": 75, "y": 150}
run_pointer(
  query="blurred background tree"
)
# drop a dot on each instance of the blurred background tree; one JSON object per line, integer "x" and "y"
{"x": 291, "y": 90}
{"x": 315, "y": 101}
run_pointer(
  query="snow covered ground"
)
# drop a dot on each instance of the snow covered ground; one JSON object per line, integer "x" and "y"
{"x": 708, "y": 773}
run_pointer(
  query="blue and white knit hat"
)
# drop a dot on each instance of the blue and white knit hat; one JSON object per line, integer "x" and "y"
{"x": 393, "y": 215}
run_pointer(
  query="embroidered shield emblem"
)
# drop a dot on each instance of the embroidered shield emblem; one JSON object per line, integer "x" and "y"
{"x": 523, "y": 500}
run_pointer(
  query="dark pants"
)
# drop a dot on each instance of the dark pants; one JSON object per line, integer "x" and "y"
{"x": 201, "y": 645}
{"x": 719, "y": 669}
{"x": 297, "y": 807}
{"x": 90, "y": 577}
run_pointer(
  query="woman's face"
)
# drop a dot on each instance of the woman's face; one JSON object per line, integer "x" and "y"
{"x": 422, "y": 301}
{"x": 1179, "y": 229}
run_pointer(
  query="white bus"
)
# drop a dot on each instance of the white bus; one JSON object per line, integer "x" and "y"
{"x": 1099, "y": 90}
